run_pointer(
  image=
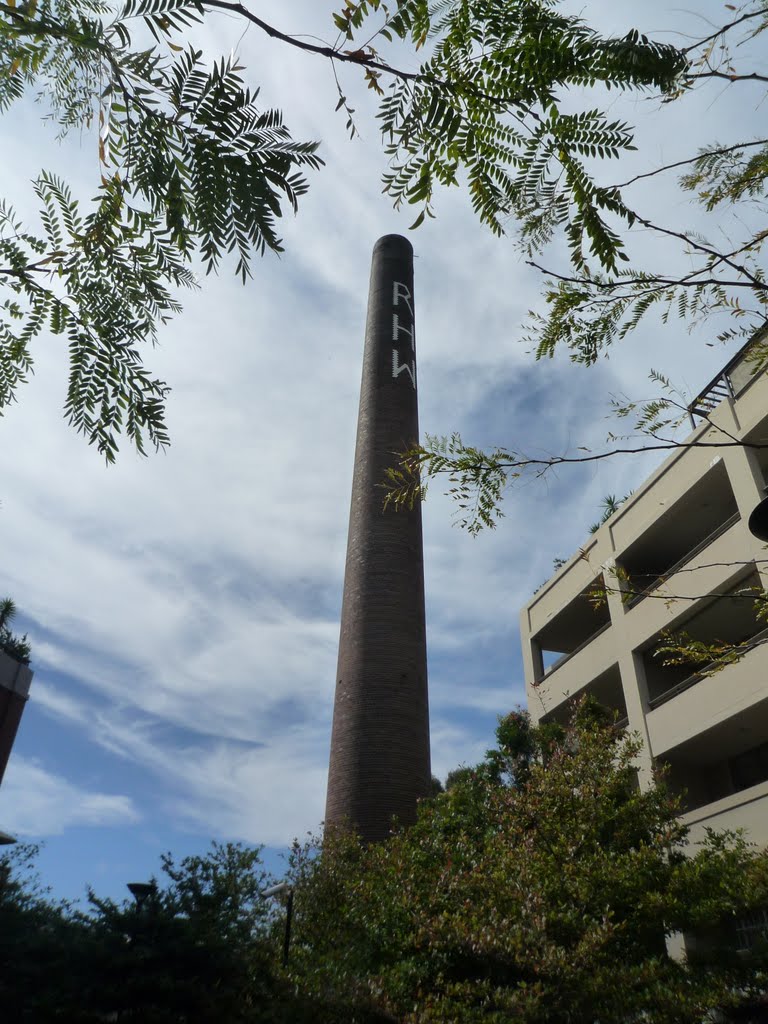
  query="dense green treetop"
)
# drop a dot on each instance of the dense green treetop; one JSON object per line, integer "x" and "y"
{"x": 199, "y": 949}
{"x": 540, "y": 887}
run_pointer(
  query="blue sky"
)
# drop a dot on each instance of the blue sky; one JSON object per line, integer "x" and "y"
{"x": 183, "y": 609}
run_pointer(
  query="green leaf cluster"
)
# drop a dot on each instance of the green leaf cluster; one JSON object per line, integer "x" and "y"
{"x": 485, "y": 110}
{"x": 476, "y": 479}
{"x": 190, "y": 165}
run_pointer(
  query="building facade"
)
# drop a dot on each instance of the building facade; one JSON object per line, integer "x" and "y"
{"x": 677, "y": 555}
{"x": 15, "y": 679}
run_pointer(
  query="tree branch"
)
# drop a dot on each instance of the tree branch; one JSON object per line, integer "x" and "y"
{"x": 691, "y": 160}
{"x": 723, "y": 29}
{"x": 651, "y": 595}
{"x": 41, "y": 265}
{"x": 523, "y": 462}
{"x": 359, "y": 57}
{"x": 660, "y": 282}
{"x": 751, "y": 77}
{"x": 700, "y": 247}
{"x": 363, "y": 58}
{"x": 698, "y": 568}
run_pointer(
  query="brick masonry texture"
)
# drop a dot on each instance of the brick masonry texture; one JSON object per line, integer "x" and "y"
{"x": 380, "y": 762}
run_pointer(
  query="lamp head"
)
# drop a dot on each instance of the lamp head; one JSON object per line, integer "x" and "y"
{"x": 758, "y": 521}
{"x": 274, "y": 890}
{"x": 141, "y": 892}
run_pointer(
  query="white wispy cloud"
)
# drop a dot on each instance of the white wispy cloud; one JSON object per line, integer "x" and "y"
{"x": 194, "y": 596}
{"x": 267, "y": 792}
{"x": 37, "y": 803}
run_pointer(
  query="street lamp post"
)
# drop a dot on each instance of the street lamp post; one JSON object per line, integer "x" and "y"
{"x": 275, "y": 890}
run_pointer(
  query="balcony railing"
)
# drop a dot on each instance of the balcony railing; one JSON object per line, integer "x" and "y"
{"x": 674, "y": 691}
{"x": 572, "y": 654}
{"x": 728, "y": 383}
{"x": 700, "y": 673}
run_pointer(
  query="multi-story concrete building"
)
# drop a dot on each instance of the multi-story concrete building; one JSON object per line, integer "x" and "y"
{"x": 15, "y": 679}
{"x": 677, "y": 555}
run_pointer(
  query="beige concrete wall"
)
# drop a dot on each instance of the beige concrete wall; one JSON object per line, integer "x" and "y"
{"x": 747, "y": 810}
{"x": 568, "y": 679}
{"x": 578, "y": 573}
{"x": 711, "y": 703}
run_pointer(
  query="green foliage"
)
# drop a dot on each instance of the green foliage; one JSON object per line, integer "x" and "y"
{"x": 484, "y": 108}
{"x": 610, "y": 504}
{"x": 476, "y": 479}
{"x": 15, "y": 646}
{"x": 200, "y": 950}
{"x": 728, "y": 174}
{"x": 190, "y": 164}
{"x": 587, "y": 315}
{"x": 436, "y": 786}
{"x": 486, "y": 111}
{"x": 663, "y": 413}
{"x": 40, "y": 944}
{"x": 539, "y": 886}
{"x": 542, "y": 893}
{"x": 710, "y": 656}
{"x": 7, "y": 611}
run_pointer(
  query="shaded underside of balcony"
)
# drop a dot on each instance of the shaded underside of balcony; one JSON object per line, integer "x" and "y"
{"x": 729, "y": 758}
{"x": 679, "y": 533}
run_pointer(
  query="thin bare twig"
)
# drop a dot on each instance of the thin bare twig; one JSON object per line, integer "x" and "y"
{"x": 700, "y": 247}
{"x": 732, "y": 77}
{"x": 697, "y": 568}
{"x": 691, "y": 160}
{"x": 722, "y": 30}
{"x": 523, "y": 462}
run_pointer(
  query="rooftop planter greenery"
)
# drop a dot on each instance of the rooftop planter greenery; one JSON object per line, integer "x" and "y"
{"x": 16, "y": 647}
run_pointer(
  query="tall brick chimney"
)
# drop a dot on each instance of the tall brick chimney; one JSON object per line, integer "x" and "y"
{"x": 380, "y": 763}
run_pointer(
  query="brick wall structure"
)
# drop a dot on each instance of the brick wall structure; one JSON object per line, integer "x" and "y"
{"x": 380, "y": 760}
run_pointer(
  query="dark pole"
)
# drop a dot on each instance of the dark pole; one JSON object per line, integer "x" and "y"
{"x": 288, "y": 919}
{"x": 380, "y": 763}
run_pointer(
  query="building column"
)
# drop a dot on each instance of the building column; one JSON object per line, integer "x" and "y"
{"x": 633, "y": 683}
